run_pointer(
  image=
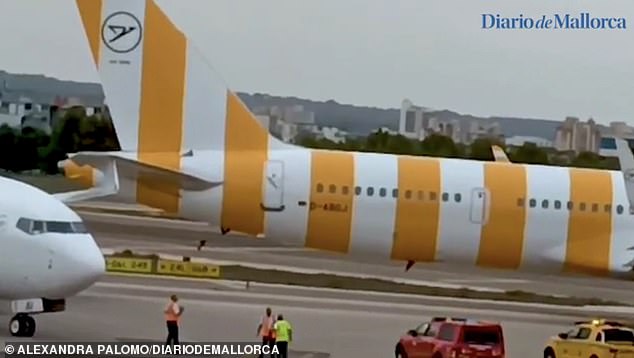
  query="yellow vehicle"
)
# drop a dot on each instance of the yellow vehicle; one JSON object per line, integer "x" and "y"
{"x": 593, "y": 339}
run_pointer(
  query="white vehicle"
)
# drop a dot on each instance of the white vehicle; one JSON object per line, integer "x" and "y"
{"x": 190, "y": 147}
{"x": 46, "y": 253}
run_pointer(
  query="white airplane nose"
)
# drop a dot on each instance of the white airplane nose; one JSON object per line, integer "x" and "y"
{"x": 81, "y": 265}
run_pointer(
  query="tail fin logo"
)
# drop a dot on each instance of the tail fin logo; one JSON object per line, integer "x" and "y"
{"x": 121, "y": 32}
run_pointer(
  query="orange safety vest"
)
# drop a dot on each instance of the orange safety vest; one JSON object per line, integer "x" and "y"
{"x": 171, "y": 315}
{"x": 267, "y": 327}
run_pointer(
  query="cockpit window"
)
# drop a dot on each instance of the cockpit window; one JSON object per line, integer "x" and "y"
{"x": 59, "y": 227}
{"x": 34, "y": 227}
{"x": 24, "y": 225}
{"x": 79, "y": 227}
{"x": 38, "y": 227}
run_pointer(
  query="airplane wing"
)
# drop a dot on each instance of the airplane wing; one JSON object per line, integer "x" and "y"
{"x": 499, "y": 155}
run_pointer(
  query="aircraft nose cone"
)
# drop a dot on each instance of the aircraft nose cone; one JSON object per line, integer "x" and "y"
{"x": 82, "y": 266}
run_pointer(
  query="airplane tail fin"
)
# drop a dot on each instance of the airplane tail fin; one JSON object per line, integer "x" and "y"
{"x": 499, "y": 155}
{"x": 164, "y": 98}
{"x": 626, "y": 162}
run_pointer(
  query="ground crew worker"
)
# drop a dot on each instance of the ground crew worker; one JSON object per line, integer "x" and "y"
{"x": 265, "y": 330}
{"x": 173, "y": 313}
{"x": 283, "y": 336}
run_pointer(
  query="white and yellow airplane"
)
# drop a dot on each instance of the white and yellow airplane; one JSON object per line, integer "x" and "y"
{"x": 190, "y": 147}
{"x": 46, "y": 253}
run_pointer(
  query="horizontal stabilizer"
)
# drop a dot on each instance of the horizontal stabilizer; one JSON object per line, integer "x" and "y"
{"x": 499, "y": 155}
{"x": 133, "y": 169}
{"x": 107, "y": 186}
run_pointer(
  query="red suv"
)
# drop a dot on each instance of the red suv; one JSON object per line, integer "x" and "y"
{"x": 452, "y": 338}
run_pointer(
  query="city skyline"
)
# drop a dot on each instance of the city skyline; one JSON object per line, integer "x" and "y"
{"x": 459, "y": 68}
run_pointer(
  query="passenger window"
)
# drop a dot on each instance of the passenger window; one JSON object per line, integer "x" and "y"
{"x": 520, "y": 202}
{"x": 582, "y": 206}
{"x": 557, "y": 204}
{"x": 408, "y": 194}
{"x": 457, "y": 197}
{"x": 570, "y": 206}
{"x": 445, "y": 196}
{"x": 344, "y": 190}
{"x": 332, "y": 188}
{"x": 595, "y": 207}
{"x": 38, "y": 227}
{"x": 545, "y": 204}
{"x": 24, "y": 225}
{"x": 446, "y": 333}
{"x": 421, "y": 195}
{"x": 395, "y": 193}
{"x": 382, "y": 192}
{"x": 432, "y": 196}
{"x": 532, "y": 203}
{"x": 370, "y": 191}
{"x": 320, "y": 188}
{"x": 599, "y": 337}
{"x": 357, "y": 190}
{"x": 619, "y": 209}
{"x": 608, "y": 208}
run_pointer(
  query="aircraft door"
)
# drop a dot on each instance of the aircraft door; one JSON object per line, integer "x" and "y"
{"x": 273, "y": 186}
{"x": 478, "y": 205}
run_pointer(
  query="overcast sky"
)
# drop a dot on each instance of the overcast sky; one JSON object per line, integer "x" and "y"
{"x": 372, "y": 52}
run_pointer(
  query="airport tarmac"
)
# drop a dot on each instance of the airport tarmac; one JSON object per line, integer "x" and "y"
{"x": 181, "y": 238}
{"x": 128, "y": 308}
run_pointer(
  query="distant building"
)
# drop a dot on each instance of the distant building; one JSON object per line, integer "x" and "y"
{"x": 521, "y": 140}
{"x": 29, "y": 108}
{"x": 484, "y": 130}
{"x": 410, "y": 123}
{"x": 332, "y": 134}
{"x": 577, "y": 136}
{"x": 417, "y": 122}
{"x": 287, "y": 122}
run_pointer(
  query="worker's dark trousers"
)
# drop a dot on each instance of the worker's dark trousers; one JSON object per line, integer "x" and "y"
{"x": 282, "y": 347}
{"x": 172, "y": 333}
{"x": 269, "y": 342}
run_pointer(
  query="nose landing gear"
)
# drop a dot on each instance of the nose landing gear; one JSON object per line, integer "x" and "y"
{"x": 22, "y": 325}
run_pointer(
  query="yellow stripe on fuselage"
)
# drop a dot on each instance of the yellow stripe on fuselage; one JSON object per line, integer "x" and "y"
{"x": 417, "y": 209}
{"x": 330, "y": 215}
{"x": 589, "y": 231}
{"x": 502, "y": 236}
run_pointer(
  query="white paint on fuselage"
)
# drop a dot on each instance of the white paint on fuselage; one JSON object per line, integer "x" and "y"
{"x": 46, "y": 265}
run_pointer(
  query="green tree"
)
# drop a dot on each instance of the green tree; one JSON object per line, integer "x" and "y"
{"x": 529, "y": 153}
{"x": 480, "y": 149}
{"x": 587, "y": 160}
{"x": 440, "y": 145}
{"x": 8, "y": 140}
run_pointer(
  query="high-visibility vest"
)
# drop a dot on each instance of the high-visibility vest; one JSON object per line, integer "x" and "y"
{"x": 267, "y": 326}
{"x": 171, "y": 313}
{"x": 282, "y": 329}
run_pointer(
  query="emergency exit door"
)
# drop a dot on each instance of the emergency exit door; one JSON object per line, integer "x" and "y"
{"x": 273, "y": 186}
{"x": 478, "y": 205}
